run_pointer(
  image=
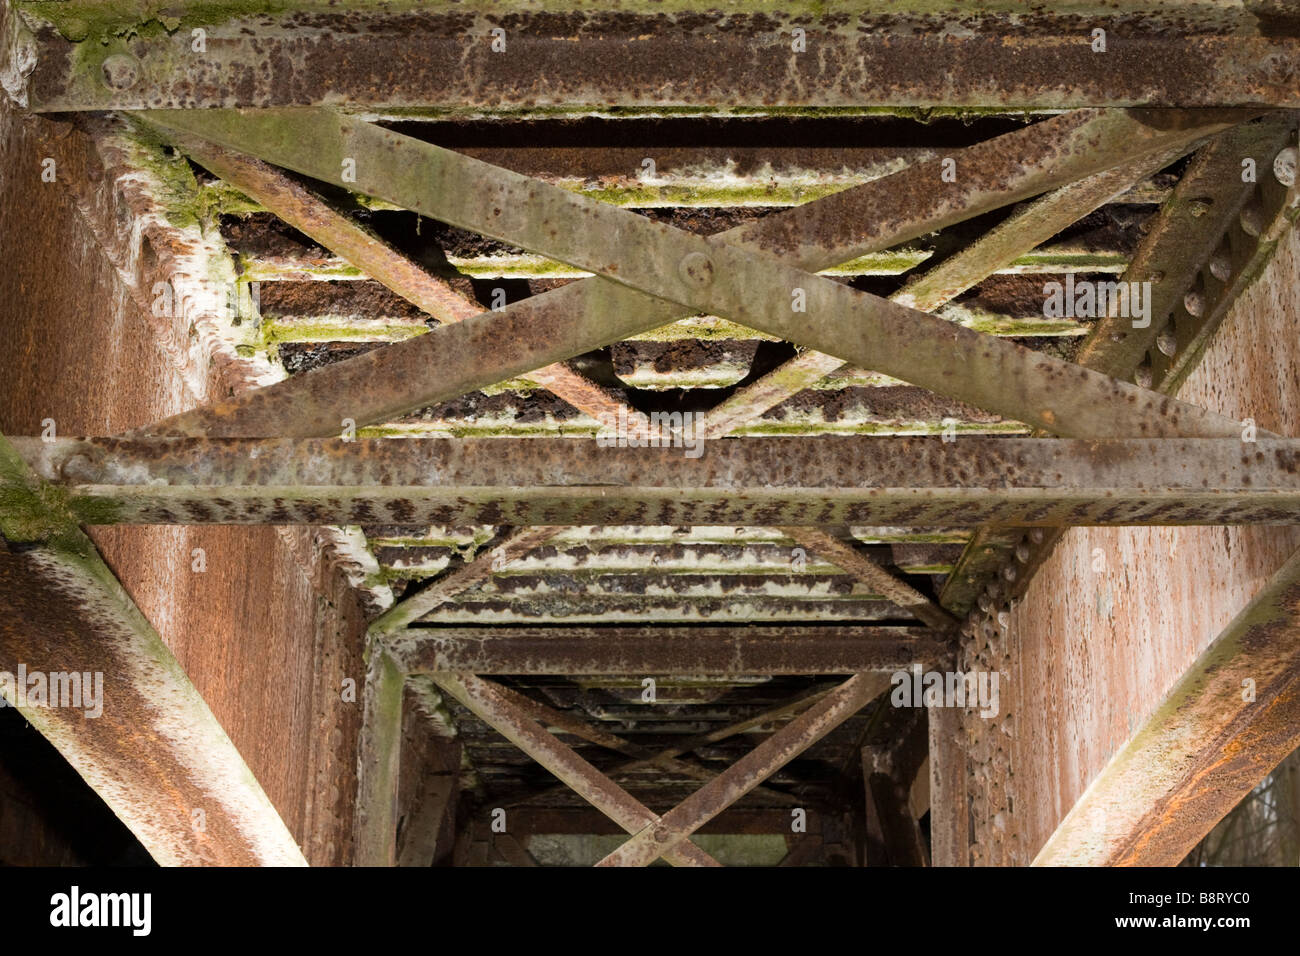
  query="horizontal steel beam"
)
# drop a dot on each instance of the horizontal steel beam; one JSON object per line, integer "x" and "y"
{"x": 447, "y": 56}
{"x": 530, "y": 820}
{"x": 760, "y": 481}
{"x": 653, "y": 651}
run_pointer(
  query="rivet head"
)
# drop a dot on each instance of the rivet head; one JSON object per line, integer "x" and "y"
{"x": 661, "y": 834}
{"x": 121, "y": 70}
{"x": 1284, "y": 166}
{"x": 696, "y": 269}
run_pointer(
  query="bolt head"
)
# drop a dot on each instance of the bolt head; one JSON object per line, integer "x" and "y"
{"x": 1284, "y": 166}
{"x": 121, "y": 71}
{"x": 696, "y": 269}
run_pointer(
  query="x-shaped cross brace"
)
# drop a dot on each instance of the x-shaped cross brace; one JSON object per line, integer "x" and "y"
{"x": 651, "y": 273}
{"x": 654, "y": 836}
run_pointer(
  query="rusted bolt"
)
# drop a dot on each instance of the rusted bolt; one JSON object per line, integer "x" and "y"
{"x": 696, "y": 269}
{"x": 121, "y": 70}
{"x": 1221, "y": 266}
{"x": 1284, "y": 164}
{"x": 1167, "y": 342}
{"x": 661, "y": 833}
{"x": 1252, "y": 218}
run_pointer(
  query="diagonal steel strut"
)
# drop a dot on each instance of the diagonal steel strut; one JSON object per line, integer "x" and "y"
{"x": 722, "y": 274}
{"x": 1022, "y": 232}
{"x": 521, "y": 729}
{"x": 656, "y": 839}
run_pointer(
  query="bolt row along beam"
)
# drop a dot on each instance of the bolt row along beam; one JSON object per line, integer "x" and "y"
{"x": 490, "y": 56}
{"x": 656, "y": 650}
{"x": 86, "y": 669}
{"x": 1204, "y": 248}
{"x": 649, "y": 274}
{"x": 1231, "y": 718}
{"x": 914, "y": 482}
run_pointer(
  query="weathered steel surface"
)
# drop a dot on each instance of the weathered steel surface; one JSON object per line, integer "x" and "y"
{"x": 711, "y": 275}
{"x": 1144, "y": 603}
{"x": 379, "y": 763}
{"x": 660, "y": 651}
{"x": 664, "y": 835}
{"x": 769, "y": 481}
{"x": 524, "y": 732}
{"x": 314, "y": 217}
{"x": 577, "y": 57}
{"x": 542, "y": 819}
{"x": 554, "y": 719}
{"x": 148, "y": 745}
{"x": 835, "y": 549}
{"x": 889, "y": 767}
{"x": 737, "y": 608}
{"x": 1231, "y": 718}
{"x": 1023, "y": 231}
{"x": 586, "y": 315}
{"x": 1196, "y": 254}
{"x": 767, "y": 719}
{"x": 1185, "y": 235}
{"x": 494, "y": 557}
{"x": 949, "y": 807}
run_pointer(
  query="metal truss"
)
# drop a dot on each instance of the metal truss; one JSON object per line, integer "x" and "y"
{"x": 1125, "y": 454}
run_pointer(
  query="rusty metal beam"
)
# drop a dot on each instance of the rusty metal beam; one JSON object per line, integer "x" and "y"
{"x": 662, "y": 836}
{"x": 1022, "y": 232}
{"x": 452, "y": 360}
{"x": 495, "y": 556}
{"x": 315, "y": 217}
{"x": 148, "y": 744}
{"x": 1228, "y": 721}
{"x": 713, "y": 276}
{"x": 554, "y": 719}
{"x": 530, "y": 820}
{"x": 835, "y": 549}
{"x": 1187, "y": 232}
{"x": 949, "y": 808}
{"x": 1198, "y": 254}
{"x": 379, "y": 760}
{"x": 773, "y": 715}
{"x": 519, "y": 727}
{"x": 446, "y": 57}
{"x": 912, "y": 482}
{"x": 650, "y": 651}
{"x": 889, "y": 767}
